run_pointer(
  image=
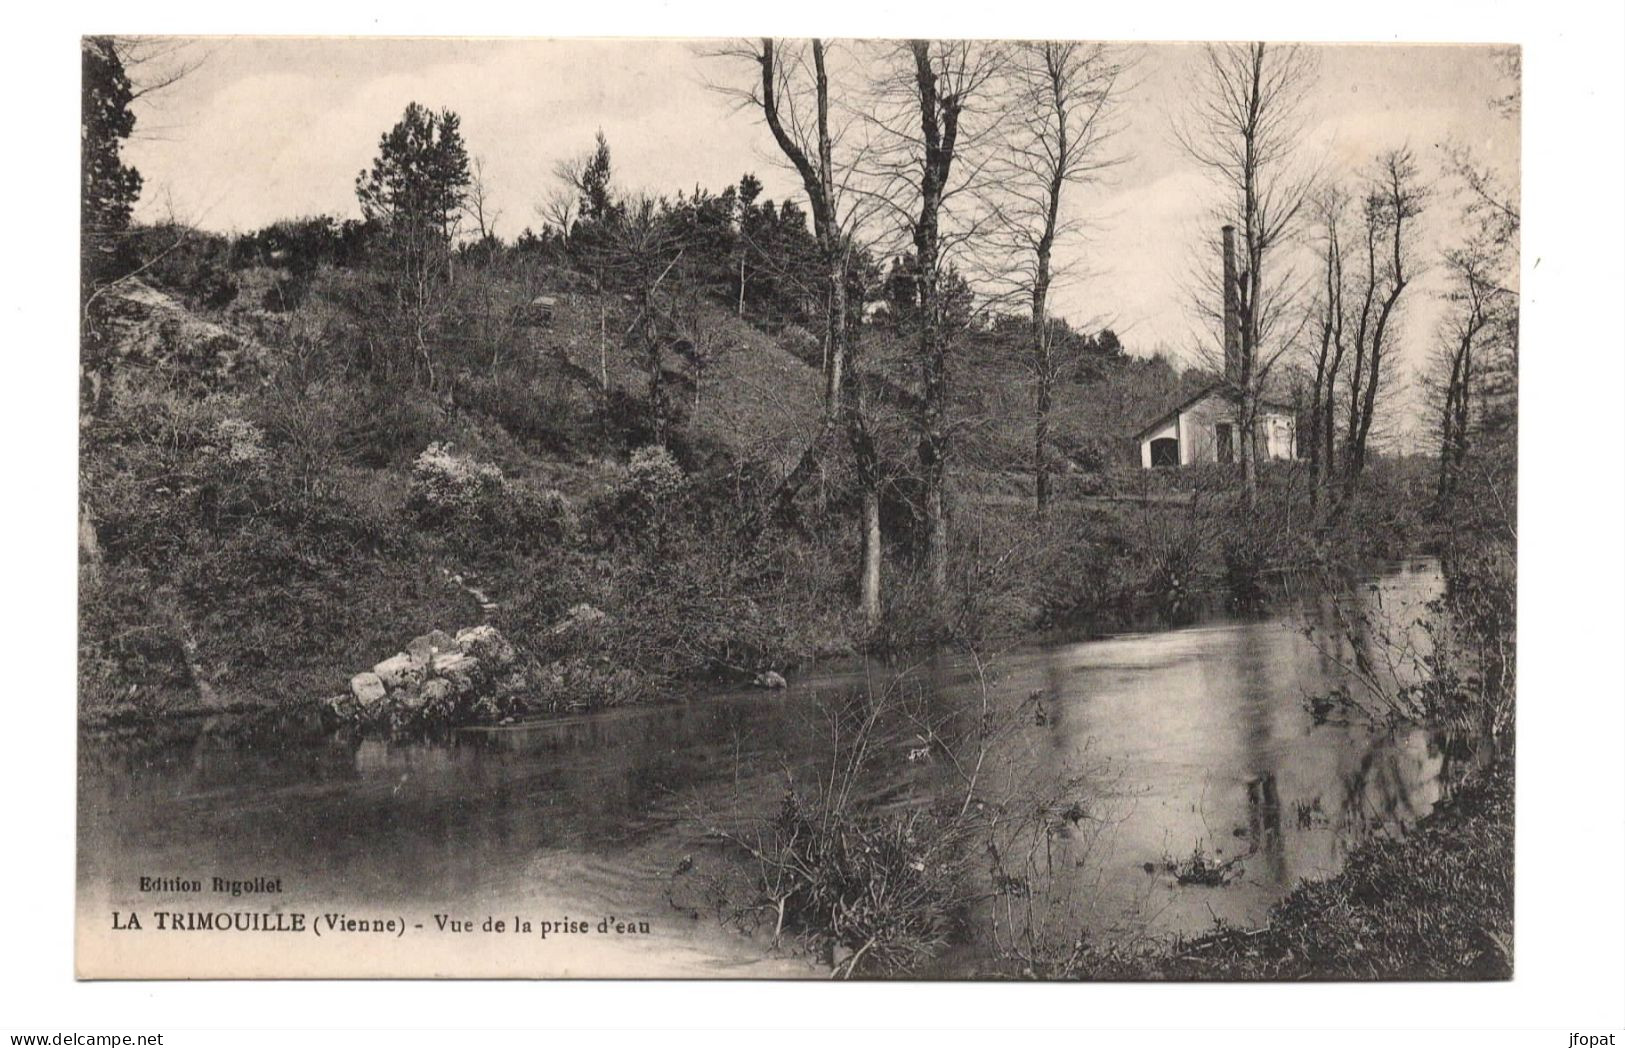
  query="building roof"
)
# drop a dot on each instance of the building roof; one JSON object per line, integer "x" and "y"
{"x": 1203, "y": 393}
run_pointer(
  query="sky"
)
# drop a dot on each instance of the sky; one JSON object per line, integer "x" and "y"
{"x": 269, "y": 128}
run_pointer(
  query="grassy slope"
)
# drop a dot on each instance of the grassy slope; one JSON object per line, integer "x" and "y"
{"x": 282, "y": 606}
{"x": 756, "y": 400}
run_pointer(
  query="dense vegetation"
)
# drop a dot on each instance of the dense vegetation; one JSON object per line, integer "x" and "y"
{"x": 262, "y": 515}
{"x": 305, "y": 444}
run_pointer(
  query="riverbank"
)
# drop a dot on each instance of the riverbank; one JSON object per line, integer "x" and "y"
{"x": 1435, "y": 905}
{"x": 248, "y": 539}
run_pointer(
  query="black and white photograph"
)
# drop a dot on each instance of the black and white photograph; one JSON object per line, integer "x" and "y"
{"x": 1030, "y": 509}
{"x": 967, "y": 509}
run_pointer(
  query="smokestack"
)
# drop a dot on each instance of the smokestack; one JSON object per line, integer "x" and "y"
{"x": 1232, "y": 309}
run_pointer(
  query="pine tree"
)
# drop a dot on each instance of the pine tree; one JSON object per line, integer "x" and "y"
{"x": 597, "y": 201}
{"x": 414, "y": 194}
{"x": 420, "y": 177}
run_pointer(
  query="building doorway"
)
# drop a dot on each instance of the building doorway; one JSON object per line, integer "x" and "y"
{"x": 1165, "y": 452}
{"x": 1224, "y": 442}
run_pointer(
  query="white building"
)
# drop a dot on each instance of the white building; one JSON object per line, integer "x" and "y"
{"x": 1204, "y": 429}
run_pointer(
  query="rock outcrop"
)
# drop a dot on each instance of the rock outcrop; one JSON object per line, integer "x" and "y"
{"x": 439, "y": 679}
{"x": 476, "y": 676}
{"x": 401, "y": 671}
{"x": 486, "y": 644}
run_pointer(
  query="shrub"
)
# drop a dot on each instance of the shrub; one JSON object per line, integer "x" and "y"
{"x": 581, "y": 685}
{"x": 240, "y": 443}
{"x": 870, "y": 885}
{"x": 1089, "y": 569}
{"x": 1250, "y": 548}
{"x": 653, "y": 478}
{"x": 643, "y": 505}
{"x": 446, "y": 486}
{"x": 457, "y": 493}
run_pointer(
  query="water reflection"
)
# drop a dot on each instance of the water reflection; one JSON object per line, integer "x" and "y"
{"x": 1196, "y": 739}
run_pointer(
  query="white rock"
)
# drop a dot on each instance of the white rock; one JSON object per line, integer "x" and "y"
{"x": 435, "y": 692}
{"x": 461, "y": 670}
{"x": 433, "y": 643}
{"x": 368, "y": 689}
{"x": 485, "y": 644}
{"x": 400, "y": 671}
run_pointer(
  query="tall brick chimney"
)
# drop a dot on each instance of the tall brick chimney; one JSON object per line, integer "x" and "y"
{"x": 1232, "y": 309}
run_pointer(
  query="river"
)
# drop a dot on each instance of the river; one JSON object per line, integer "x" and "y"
{"x": 1193, "y": 738}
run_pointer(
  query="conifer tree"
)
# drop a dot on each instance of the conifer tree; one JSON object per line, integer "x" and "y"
{"x": 108, "y": 186}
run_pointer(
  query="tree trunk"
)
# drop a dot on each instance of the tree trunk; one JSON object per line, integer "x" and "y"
{"x": 1248, "y": 287}
{"x": 933, "y": 441}
{"x": 1447, "y": 449}
{"x": 1043, "y": 354}
{"x": 1314, "y": 431}
{"x": 1249, "y": 445}
{"x": 603, "y": 343}
{"x": 844, "y": 391}
{"x": 653, "y": 361}
{"x": 1464, "y": 406}
{"x": 1041, "y": 445}
{"x": 1328, "y": 435}
{"x": 939, "y": 123}
{"x": 869, "y": 599}
{"x": 868, "y": 470}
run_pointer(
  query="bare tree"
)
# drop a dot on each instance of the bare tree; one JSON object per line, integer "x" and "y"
{"x": 1331, "y": 212}
{"x": 1246, "y": 128}
{"x": 1394, "y": 198}
{"x": 477, "y": 204}
{"x": 1474, "y": 379}
{"x": 1472, "y": 296}
{"x": 558, "y": 212}
{"x": 157, "y": 63}
{"x": 1060, "y": 99}
{"x": 791, "y": 90}
{"x": 1475, "y": 366}
{"x": 638, "y": 251}
{"x": 933, "y": 123}
{"x": 699, "y": 334}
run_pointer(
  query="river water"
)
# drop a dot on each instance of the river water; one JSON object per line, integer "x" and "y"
{"x": 1194, "y": 738}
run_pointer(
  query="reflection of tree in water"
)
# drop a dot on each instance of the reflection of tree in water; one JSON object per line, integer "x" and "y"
{"x": 1264, "y": 825}
{"x": 1400, "y": 780}
{"x": 1258, "y": 756}
{"x": 1376, "y": 793}
{"x": 1373, "y": 640}
{"x": 1370, "y": 650}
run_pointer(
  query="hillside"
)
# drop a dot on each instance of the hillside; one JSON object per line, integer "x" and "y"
{"x": 287, "y": 474}
{"x": 252, "y": 516}
{"x": 752, "y": 400}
